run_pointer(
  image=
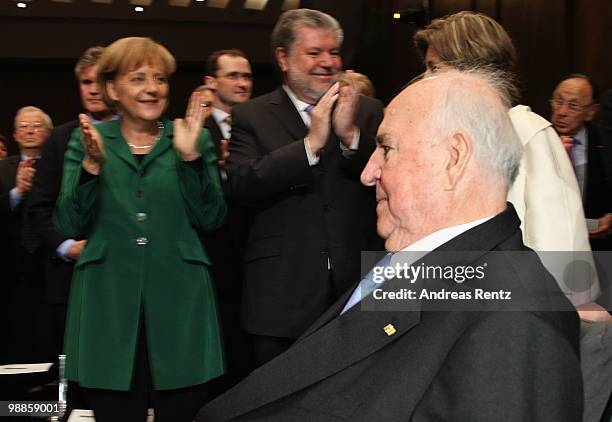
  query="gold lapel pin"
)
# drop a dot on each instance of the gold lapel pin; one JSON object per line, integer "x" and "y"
{"x": 390, "y": 329}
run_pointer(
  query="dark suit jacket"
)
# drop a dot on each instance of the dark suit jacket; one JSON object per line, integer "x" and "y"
{"x": 598, "y": 192}
{"x": 299, "y": 216}
{"x": 484, "y": 365}
{"x": 40, "y": 205}
{"x": 215, "y": 133}
{"x": 11, "y": 221}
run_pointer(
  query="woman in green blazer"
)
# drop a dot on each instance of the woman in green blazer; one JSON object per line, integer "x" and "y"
{"x": 142, "y": 328}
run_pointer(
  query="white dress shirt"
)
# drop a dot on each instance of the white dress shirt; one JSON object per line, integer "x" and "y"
{"x": 424, "y": 245}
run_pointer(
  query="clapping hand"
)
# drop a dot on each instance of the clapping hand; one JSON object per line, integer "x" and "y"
{"x": 224, "y": 148}
{"x": 604, "y": 227}
{"x": 344, "y": 113}
{"x": 320, "y": 120}
{"x": 568, "y": 143}
{"x": 25, "y": 175}
{"x": 187, "y": 130}
{"x": 93, "y": 143}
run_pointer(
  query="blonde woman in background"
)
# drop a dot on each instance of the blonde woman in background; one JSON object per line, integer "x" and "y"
{"x": 545, "y": 193}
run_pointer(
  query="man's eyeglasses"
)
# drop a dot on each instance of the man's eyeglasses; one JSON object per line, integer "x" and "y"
{"x": 573, "y": 107}
{"x": 36, "y": 126}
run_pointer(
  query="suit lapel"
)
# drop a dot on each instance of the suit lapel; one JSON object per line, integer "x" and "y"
{"x": 115, "y": 142}
{"x": 285, "y": 112}
{"x": 215, "y": 130}
{"x": 340, "y": 343}
{"x": 335, "y": 342}
{"x": 162, "y": 145}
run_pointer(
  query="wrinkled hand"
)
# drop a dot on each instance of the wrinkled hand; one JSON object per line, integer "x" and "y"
{"x": 25, "y": 175}
{"x": 604, "y": 227}
{"x": 344, "y": 114}
{"x": 93, "y": 143}
{"x": 75, "y": 250}
{"x": 320, "y": 120}
{"x": 224, "y": 147}
{"x": 594, "y": 313}
{"x": 568, "y": 143}
{"x": 187, "y": 130}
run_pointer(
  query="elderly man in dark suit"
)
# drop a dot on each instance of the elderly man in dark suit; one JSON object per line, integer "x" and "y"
{"x": 295, "y": 158}
{"x": 446, "y": 155}
{"x": 21, "y": 254}
{"x": 60, "y": 252}
{"x": 575, "y": 104}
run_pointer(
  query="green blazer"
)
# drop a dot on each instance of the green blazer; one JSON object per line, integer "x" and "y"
{"x": 143, "y": 258}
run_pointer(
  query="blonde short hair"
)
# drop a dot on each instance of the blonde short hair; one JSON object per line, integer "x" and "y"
{"x": 127, "y": 54}
{"x": 468, "y": 40}
{"x": 364, "y": 84}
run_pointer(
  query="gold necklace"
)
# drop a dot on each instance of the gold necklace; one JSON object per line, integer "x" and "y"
{"x": 160, "y": 131}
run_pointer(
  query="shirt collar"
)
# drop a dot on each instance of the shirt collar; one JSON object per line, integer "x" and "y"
{"x": 440, "y": 237}
{"x": 297, "y": 103}
{"x": 219, "y": 115}
{"x": 97, "y": 122}
{"x": 581, "y": 136}
{"x": 25, "y": 157}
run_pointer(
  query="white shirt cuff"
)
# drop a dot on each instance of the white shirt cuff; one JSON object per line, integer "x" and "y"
{"x": 14, "y": 198}
{"x": 347, "y": 152}
{"x": 313, "y": 160}
{"x": 64, "y": 247}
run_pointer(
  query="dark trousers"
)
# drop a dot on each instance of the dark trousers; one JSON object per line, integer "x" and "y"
{"x": 131, "y": 406}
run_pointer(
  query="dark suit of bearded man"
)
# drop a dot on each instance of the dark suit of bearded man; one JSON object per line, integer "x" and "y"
{"x": 307, "y": 225}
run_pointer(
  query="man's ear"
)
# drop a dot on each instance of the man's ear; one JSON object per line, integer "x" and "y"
{"x": 592, "y": 112}
{"x": 112, "y": 92}
{"x": 282, "y": 58}
{"x": 210, "y": 82}
{"x": 459, "y": 148}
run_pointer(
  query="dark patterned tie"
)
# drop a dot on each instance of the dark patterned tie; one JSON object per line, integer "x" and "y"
{"x": 28, "y": 239}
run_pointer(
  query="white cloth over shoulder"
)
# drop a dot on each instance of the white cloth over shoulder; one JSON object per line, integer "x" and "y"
{"x": 547, "y": 199}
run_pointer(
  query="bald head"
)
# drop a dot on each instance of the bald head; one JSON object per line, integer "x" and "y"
{"x": 572, "y": 105}
{"x": 446, "y": 154}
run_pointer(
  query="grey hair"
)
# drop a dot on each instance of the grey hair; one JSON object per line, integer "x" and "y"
{"x": 483, "y": 116}
{"x": 284, "y": 32}
{"x": 30, "y": 109}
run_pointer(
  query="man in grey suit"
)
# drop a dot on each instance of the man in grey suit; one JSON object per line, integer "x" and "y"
{"x": 446, "y": 155}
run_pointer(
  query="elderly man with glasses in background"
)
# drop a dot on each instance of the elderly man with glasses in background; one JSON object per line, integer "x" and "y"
{"x": 574, "y": 106}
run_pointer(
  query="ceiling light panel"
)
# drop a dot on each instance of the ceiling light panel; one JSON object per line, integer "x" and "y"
{"x": 255, "y": 4}
{"x": 221, "y": 4}
{"x": 290, "y": 4}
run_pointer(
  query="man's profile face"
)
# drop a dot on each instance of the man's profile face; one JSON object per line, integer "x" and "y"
{"x": 31, "y": 131}
{"x": 406, "y": 168}
{"x": 309, "y": 67}
{"x": 91, "y": 97}
{"x": 234, "y": 80}
{"x": 572, "y": 106}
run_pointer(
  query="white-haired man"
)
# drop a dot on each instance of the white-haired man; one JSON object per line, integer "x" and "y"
{"x": 20, "y": 254}
{"x": 446, "y": 154}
